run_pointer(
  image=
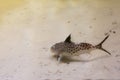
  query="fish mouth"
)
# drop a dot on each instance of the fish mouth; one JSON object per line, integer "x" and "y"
{"x": 52, "y": 50}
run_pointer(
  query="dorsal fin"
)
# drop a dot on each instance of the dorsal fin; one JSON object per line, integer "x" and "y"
{"x": 68, "y": 39}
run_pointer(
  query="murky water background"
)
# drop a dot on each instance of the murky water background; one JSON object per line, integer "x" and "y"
{"x": 28, "y": 28}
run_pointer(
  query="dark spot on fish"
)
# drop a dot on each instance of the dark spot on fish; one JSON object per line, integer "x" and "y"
{"x": 82, "y": 48}
{"x": 87, "y": 48}
{"x": 73, "y": 51}
{"x": 83, "y": 45}
{"x": 76, "y": 48}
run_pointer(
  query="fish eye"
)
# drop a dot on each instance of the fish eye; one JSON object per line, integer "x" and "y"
{"x": 53, "y": 47}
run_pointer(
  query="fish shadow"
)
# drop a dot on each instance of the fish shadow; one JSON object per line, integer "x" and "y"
{"x": 68, "y": 60}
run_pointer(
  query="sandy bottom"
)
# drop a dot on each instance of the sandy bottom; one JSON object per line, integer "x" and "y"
{"x": 26, "y": 37}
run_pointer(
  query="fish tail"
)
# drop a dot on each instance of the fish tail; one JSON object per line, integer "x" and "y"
{"x": 99, "y": 46}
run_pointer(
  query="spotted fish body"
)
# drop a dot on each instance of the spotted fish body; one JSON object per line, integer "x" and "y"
{"x": 72, "y": 49}
{"x": 69, "y": 48}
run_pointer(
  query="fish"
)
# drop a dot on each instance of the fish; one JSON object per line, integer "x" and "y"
{"x": 69, "y": 48}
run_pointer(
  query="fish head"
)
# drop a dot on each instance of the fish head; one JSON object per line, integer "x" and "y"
{"x": 57, "y": 48}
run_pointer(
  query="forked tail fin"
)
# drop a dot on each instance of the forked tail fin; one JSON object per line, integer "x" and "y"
{"x": 99, "y": 46}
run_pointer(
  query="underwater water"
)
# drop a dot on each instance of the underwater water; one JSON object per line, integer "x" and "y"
{"x": 28, "y": 28}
